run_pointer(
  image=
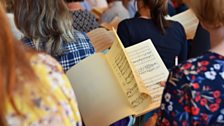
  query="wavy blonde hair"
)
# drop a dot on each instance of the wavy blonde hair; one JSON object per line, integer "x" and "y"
{"x": 209, "y": 12}
{"x": 47, "y": 22}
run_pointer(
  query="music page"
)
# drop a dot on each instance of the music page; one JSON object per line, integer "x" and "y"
{"x": 100, "y": 98}
{"x": 120, "y": 65}
{"x": 101, "y": 38}
{"x": 189, "y": 22}
{"x": 150, "y": 67}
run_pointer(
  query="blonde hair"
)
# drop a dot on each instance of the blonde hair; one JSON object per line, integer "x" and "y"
{"x": 47, "y": 22}
{"x": 209, "y": 12}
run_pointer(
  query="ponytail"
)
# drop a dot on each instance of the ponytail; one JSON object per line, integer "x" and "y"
{"x": 158, "y": 11}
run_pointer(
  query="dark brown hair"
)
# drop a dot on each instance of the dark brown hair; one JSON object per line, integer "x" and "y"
{"x": 8, "y": 5}
{"x": 158, "y": 10}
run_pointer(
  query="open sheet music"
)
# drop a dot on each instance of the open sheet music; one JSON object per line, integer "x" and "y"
{"x": 101, "y": 38}
{"x": 113, "y": 24}
{"x": 189, "y": 22}
{"x": 122, "y": 82}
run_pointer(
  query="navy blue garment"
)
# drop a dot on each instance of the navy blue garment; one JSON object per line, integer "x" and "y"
{"x": 181, "y": 8}
{"x": 122, "y": 122}
{"x": 201, "y": 42}
{"x": 194, "y": 93}
{"x": 172, "y": 43}
{"x": 171, "y": 9}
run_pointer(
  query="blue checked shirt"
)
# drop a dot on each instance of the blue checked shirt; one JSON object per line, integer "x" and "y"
{"x": 77, "y": 50}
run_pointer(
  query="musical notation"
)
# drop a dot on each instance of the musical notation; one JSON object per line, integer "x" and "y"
{"x": 121, "y": 68}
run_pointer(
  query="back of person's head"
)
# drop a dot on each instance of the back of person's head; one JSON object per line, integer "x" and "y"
{"x": 47, "y": 22}
{"x": 12, "y": 62}
{"x": 179, "y": 2}
{"x": 209, "y": 12}
{"x": 158, "y": 11}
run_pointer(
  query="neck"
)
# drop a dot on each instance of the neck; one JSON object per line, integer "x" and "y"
{"x": 217, "y": 40}
{"x": 73, "y": 6}
{"x": 145, "y": 13}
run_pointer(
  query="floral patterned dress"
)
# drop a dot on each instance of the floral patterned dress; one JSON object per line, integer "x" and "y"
{"x": 194, "y": 93}
{"x": 51, "y": 102}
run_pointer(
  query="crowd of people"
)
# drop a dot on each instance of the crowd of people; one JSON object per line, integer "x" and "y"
{"x": 42, "y": 39}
